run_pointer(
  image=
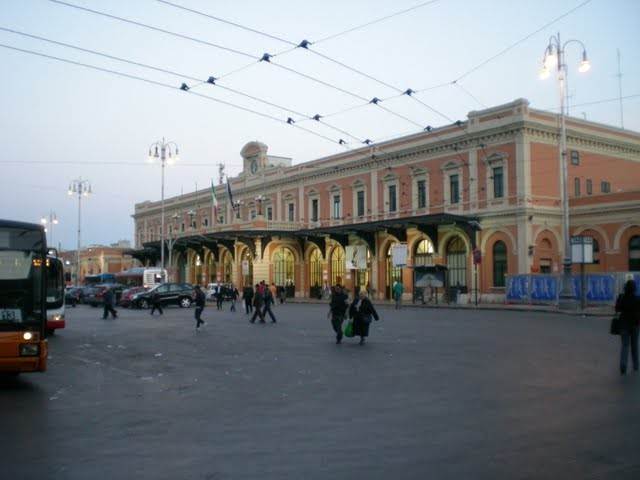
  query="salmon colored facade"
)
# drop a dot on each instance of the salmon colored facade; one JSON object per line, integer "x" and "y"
{"x": 491, "y": 184}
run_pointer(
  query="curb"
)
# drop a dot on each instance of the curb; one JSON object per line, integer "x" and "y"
{"x": 489, "y": 308}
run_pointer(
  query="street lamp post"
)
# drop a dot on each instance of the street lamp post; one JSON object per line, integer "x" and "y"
{"x": 49, "y": 223}
{"x": 554, "y": 57}
{"x": 81, "y": 188}
{"x": 166, "y": 152}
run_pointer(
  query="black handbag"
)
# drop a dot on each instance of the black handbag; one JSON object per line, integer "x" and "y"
{"x": 614, "y": 328}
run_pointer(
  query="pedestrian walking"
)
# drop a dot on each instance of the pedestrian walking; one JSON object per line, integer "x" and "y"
{"x": 258, "y": 302}
{"x": 269, "y": 300}
{"x": 628, "y": 305}
{"x": 109, "y": 302}
{"x": 247, "y": 296}
{"x": 282, "y": 294}
{"x": 339, "y": 302}
{"x": 219, "y": 297}
{"x": 274, "y": 292}
{"x": 234, "y": 298}
{"x": 155, "y": 303}
{"x": 362, "y": 313}
{"x": 398, "y": 290}
{"x": 200, "y": 302}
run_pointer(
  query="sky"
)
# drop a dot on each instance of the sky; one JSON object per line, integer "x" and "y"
{"x": 60, "y": 121}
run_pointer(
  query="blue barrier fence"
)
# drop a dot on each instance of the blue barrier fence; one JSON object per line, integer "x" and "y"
{"x": 600, "y": 288}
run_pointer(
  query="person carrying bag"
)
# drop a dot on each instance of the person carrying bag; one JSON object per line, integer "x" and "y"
{"x": 362, "y": 313}
{"x": 627, "y": 324}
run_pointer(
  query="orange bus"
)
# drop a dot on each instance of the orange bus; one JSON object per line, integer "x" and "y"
{"x": 23, "y": 295}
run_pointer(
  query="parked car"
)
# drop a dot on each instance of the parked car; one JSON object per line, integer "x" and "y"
{"x": 169, "y": 294}
{"x": 128, "y": 294}
{"x": 72, "y": 296}
{"x": 95, "y": 297}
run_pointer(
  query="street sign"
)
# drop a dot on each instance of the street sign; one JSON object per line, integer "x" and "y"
{"x": 477, "y": 256}
{"x": 582, "y": 249}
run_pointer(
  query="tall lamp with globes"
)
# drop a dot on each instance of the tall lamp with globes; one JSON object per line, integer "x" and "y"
{"x": 554, "y": 58}
{"x": 82, "y": 188}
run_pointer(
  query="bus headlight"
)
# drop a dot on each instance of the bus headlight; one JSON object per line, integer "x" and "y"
{"x": 27, "y": 335}
{"x": 29, "y": 349}
{"x": 57, "y": 317}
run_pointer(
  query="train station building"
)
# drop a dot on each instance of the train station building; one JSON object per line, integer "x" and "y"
{"x": 471, "y": 203}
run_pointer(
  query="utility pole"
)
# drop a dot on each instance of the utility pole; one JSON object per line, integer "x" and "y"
{"x": 81, "y": 188}
{"x": 619, "y": 75}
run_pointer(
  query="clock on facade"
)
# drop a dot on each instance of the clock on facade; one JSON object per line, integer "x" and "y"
{"x": 254, "y": 166}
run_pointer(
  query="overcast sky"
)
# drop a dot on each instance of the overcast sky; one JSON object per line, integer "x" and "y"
{"x": 54, "y": 113}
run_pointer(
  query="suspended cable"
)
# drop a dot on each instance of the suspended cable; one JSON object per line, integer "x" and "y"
{"x": 469, "y": 94}
{"x": 597, "y": 102}
{"x": 156, "y": 29}
{"x": 372, "y": 22}
{"x": 166, "y": 85}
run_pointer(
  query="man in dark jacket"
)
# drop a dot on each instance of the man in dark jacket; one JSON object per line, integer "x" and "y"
{"x": 258, "y": 302}
{"x": 155, "y": 303}
{"x": 200, "y": 301}
{"x": 628, "y": 305}
{"x": 247, "y": 296}
{"x": 109, "y": 302}
{"x": 268, "y": 302}
{"x": 338, "y": 310}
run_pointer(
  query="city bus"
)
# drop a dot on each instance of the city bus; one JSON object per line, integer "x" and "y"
{"x": 23, "y": 309}
{"x": 142, "y": 277}
{"x": 55, "y": 293}
{"x": 90, "y": 280}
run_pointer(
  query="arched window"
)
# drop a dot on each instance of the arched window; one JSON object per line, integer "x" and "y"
{"x": 283, "y": 265}
{"x": 315, "y": 268}
{"x": 499, "y": 264}
{"x": 423, "y": 254}
{"x": 457, "y": 262}
{"x": 394, "y": 274}
{"x": 337, "y": 266}
{"x": 211, "y": 267}
{"x": 227, "y": 268}
{"x": 634, "y": 253}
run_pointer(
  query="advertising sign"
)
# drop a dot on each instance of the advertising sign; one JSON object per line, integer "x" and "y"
{"x": 517, "y": 288}
{"x": 399, "y": 255}
{"x": 356, "y": 257}
{"x": 544, "y": 288}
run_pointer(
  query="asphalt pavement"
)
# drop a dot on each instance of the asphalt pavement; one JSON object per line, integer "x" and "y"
{"x": 437, "y": 394}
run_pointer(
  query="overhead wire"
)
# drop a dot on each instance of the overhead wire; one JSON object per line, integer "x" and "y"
{"x": 266, "y": 57}
{"x": 166, "y": 85}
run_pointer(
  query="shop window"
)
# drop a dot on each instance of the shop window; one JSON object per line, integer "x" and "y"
{"x": 337, "y": 266}
{"x": 283, "y": 265}
{"x": 457, "y": 262}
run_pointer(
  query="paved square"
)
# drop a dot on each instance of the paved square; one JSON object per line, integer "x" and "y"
{"x": 443, "y": 394}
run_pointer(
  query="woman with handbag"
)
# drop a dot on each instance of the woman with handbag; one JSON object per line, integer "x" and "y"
{"x": 628, "y": 305}
{"x": 362, "y": 313}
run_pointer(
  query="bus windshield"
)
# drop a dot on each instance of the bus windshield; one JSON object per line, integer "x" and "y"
{"x": 55, "y": 283}
{"x": 21, "y": 270}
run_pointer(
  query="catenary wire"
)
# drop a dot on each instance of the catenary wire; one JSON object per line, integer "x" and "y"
{"x": 166, "y": 85}
{"x": 265, "y": 58}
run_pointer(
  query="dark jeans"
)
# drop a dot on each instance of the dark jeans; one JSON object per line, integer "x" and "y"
{"x": 629, "y": 337}
{"x": 233, "y": 306}
{"x": 108, "y": 308}
{"x": 156, "y": 306}
{"x": 219, "y": 303}
{"x": 197, "y": 314}
{"x": 336, "y": 322}
{"x": 267, "y": 309}
{"x": 257, "y": 313}
{"x": 248, "y": 307}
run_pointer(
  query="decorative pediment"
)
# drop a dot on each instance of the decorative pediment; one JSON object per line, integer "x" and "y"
{"x": 496, "y": 157}
{"x": 452, "y": 165}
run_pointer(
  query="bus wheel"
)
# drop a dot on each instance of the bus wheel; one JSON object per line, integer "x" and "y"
{"x": 144, "y": 304}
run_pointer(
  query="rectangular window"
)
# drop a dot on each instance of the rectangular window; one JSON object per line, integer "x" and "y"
{"x": 575, "y": 157}
{"x": 336, "y": 207}
{"x": 605, "y": 187}
{"x": 206, "y": 222}
{"x": 291, "y": 208}
{"x": 314, "y": 210}
{"x": 238, "y": 212}
{"x": 589, "y": 186}
{"x": 576, "y": 187}
{"x": 221, "y": 219}
{"x": 253, "y": 214}
{"x": 269, "y": 213}
{"x": 360, "y": 203}
{"x": 182, "y": 227}
{"x": 498, "y": 182}
{"x": 393, "y": 206}
{"x": 454, "y": 189}
{"x": 422, "y": 193}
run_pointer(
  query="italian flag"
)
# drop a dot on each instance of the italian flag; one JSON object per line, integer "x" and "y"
{"x": 215, "y": 201}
